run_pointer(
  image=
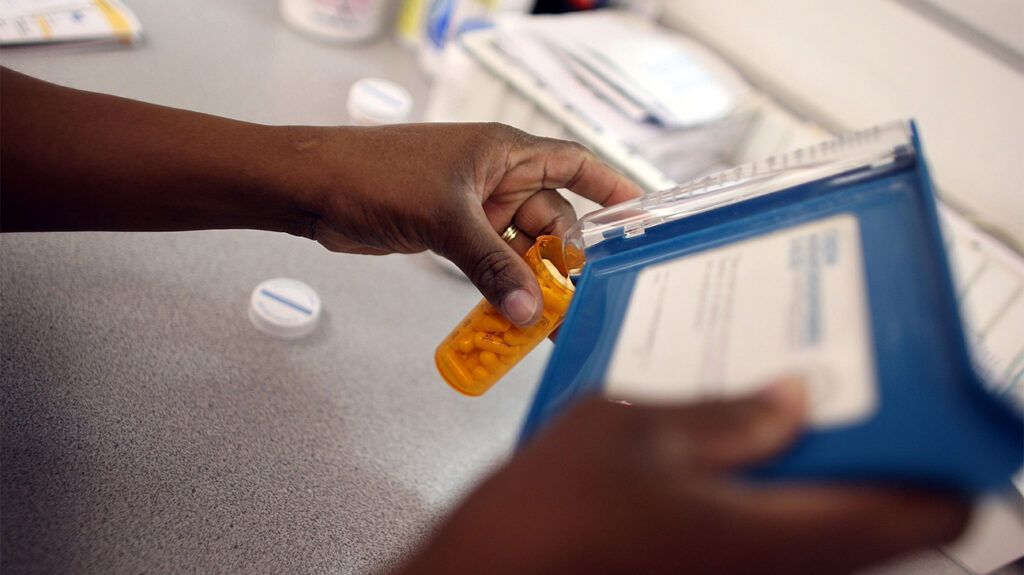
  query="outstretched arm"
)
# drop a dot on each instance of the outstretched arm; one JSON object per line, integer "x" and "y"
{"x": 74, "y": 160}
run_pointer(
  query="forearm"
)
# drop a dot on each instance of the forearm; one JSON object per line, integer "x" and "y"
{"x": 74, "y": 160}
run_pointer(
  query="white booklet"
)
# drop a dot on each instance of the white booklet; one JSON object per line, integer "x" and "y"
{"x": 38, "y": 22}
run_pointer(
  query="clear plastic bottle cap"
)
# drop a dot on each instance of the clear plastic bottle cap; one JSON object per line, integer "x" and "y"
{"x": 284, "y": 308}
{"x": 376, "y": 101}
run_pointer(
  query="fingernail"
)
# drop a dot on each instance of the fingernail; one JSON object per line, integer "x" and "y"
{"x": 787, "y": 393}
{"x": 519, "y": 306}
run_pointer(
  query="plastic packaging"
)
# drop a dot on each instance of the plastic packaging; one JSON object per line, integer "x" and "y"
{"x": 485, "y": 345}
{"x": 337, "y": 20}
{"x": 849, "y": 154}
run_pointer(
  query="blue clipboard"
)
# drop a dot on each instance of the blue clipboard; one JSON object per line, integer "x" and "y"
{"x": 933, "y": 423}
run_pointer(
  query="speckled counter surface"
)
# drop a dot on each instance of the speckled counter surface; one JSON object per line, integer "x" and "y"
{"x": 148, "y": 427}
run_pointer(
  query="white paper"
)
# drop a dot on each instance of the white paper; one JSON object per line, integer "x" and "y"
{"x": 990, "y": 286}
{"x": 667, "y": 76}
{"x": 725, "y": 321}
{"x": 990, "y": 279}
{"x": 12, "y": 8}
{"x": 55, "y": 22}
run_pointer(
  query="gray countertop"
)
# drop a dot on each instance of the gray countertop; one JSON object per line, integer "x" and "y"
{"x": 147, "y": 426}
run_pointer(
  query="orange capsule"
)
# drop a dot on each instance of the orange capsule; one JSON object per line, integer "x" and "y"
{"x": 465, "y": 343}
{"x": 452, "y": 369}
{"x": 488, "y": 359}
{"x": 492, "y": 323}
{"x": 491, "y": 343}
{"x": 516, "y": 336}
{"x": 481, "y": 374}
{"x": 553, "y": 301}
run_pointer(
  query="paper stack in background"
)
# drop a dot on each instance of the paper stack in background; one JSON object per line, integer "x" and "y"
{"x": 609, "y": 79}
{"x": 667, "y": 98}
{"x": 989, "y": 280}
{"x": 428, "y": 26}
{"x": 37, "y": 22}
{"x": 990, "y": 285}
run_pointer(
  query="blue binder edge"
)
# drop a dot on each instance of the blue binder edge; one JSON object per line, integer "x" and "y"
{"x": 1002, "y": 423}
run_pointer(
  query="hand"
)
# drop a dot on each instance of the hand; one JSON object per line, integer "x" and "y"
{"x": 626, "y": 489}
{"x": 451, "y": 188}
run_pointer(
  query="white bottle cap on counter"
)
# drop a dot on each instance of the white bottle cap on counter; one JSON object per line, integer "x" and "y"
{"x": 376, "y": 101}
{"x": 285, "y": 308}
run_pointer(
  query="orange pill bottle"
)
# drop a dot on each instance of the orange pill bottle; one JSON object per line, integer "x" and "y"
{"x": 485, "y": 345}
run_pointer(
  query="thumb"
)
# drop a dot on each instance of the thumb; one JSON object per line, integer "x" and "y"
{"x": 496, "y": 270}
{"x": 726, "y": 435}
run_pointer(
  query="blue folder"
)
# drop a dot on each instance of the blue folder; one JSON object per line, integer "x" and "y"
{"x": 934, "y": 423}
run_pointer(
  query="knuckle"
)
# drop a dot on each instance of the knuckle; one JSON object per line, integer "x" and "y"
{"x": 520, "y": 138}
{"x": 567, "y": 147}
{"x": 489, "y": 269}
{"x": 747, "y": 419}
{"x": 662, "y": 446}
{"x": 579, "y": 148}
{"x": 503, "y": 131}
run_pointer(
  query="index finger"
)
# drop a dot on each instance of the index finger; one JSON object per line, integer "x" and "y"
{"x": 555, "y": 164}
